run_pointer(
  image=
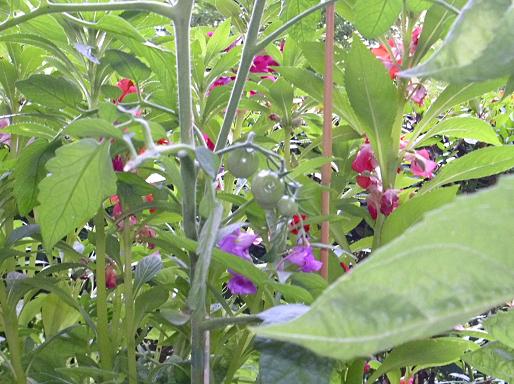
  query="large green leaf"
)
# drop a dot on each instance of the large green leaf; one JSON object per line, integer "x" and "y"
{"x": 501, "y": 327}
{"x": 374, "y": 17}
{"x": 305, "y": 29}
{"x": 81, "y": 177}
{"x": 8, "y": 77}
{"x": 427, "y": 353}
{"x": 480, "y": 163}
{"x": 55, "y": 92}
{"x": 480, "y": 45}
{"x": 435, "y": 276}
{"x": 412, "y": 211}
{"x": 495, "y": 359}
{"x": 283, "y": 363}
{"x": 29, "y": 171}
{"x": 465, "y": 128}
{"x": 373, "y": 97}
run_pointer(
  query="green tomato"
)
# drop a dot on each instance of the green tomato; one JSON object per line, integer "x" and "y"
{"x": 287, "y": 206}
{"x": 242, "y": 163}
{"x": 267, "y": 188}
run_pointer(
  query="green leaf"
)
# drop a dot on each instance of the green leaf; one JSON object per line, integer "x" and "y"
{"x": 81, "y": 178}
{"x": 127, "y": 65}
{"x": 92, "y": 127}
{"x": 453, "y": 95}
{"x": 147, "y": 269}
{"x": 374, "y": 17}
{"x": 427, "y": 353}
{"x": 464, "y": 128}
{"x": 148, "y": 301}
{"x": 437, "y": 21}
{"x": 281, "y": 94}
{"x": 57, "y": 316}
{"x": 283, "y": 363}
{"x": 479, "y": 46}
{"x": 418, "y": 5}
{"x": 29, "y": 171}
{"x": 118, "y": 26}
{"x": 411, "y": 211}
{"x": 54, "y": 92}
{"x": 312, "y": 84}
{"x": 480, "y": 163}
{"x": 8, "y": 77}
{"x": 309, "y": 166}
{"x": 421, "y": 284}
{"x": 305, "y": 29}
{"x": 218, "y": 41}
{"x": 494, "y": 360}
{"x": 373, "y": 97}
{"x": 29, "y": 129}
{"x": 509, "y": 87}
{"x": 208, "y": 160}
{"x": 501, "y": 327}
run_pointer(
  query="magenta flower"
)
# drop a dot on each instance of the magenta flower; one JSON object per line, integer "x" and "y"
{"x": 365, "y": 159}
{"x": 210, "y": 33}
{"x": 262, "y": 64}
{"x": 389, "y": 201}
{"x": 118, "y": 163}
{"x": 302, "y": 256}
{"x": 240, "y": 285}
{"x": 238, "y": 243}
{"x": 373, "y": 202}
{"x": 421, "y": 164}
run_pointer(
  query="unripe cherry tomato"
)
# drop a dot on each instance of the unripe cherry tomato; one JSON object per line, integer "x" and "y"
{"x": 287, "y": 206}
{"x": 242, "y": 163}
{"x": 267, "y": 188}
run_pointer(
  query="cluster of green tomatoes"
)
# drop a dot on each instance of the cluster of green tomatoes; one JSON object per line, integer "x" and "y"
{"x": 268, "y": 187}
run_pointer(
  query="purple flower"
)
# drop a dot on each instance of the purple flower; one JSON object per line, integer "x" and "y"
{"x": 240, "y": 285}
{"x": 238, "y": 243}
{"x": 303, "y": 257}
{"x": 5, "y": 138}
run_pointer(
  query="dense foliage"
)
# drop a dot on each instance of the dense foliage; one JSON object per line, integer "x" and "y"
{"x": 161, "y": 187}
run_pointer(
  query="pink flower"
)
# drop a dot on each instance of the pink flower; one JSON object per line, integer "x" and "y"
{"x": 240, "y": 285}
{"x": 417, "y": 93}
{"x": 421, "y": 164}
{"x": 303, "y": 257}
{"x": 5, "y": 138}
{"x": 382, "y": 53}
{"x": 416, "y": 32}
{"x": 373, "y": 202}
{"x": 389, "y": 201}
{"x": 365, "y": 159}
{"x": 111, "y": 280}
{"x": 127, "y": 87}
{"x": 210, "y": 33}
{"x": 262, "y": 64}
{"x": 222, "y": 80}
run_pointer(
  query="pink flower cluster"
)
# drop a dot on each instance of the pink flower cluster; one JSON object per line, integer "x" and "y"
{"x": 380, "y": 200}
{"x": 391, "y": 57}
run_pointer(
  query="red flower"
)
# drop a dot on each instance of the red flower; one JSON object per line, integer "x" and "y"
{"x": 344, "y": 266}
{"x": 163, "y": 141}
{"x": 294, "y": 226}
{"x": 127, "y": 87}
{"x": 118, "y": 163}
{"x": 149, "y": 199}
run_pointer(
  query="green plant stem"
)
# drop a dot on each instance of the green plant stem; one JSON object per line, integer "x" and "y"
{"x": 229, "y": 178}
{"x": 10, "y": 322}
{"x": 126, "y": 251}
{"x": 46, "y": 8}
{"x": 103, "y": 338}
{"x": 287, "y": 145}
{"x": 249, "y": 51}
